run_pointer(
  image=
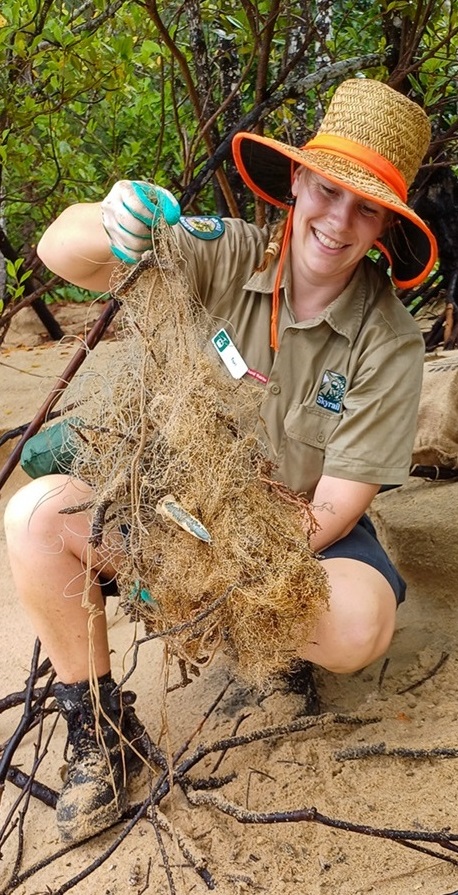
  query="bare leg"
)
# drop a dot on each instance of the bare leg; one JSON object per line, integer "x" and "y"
{"x": 359, "y": 625}
{"x": 48, "y": 555}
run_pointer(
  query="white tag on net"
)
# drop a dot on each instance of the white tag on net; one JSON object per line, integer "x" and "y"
{"x": 229, "y": 355}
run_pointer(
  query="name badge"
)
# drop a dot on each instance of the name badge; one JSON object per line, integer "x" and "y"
{"x": 229, "y": 355}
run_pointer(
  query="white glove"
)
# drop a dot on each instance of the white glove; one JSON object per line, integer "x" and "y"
{"x": 129, "y": 213}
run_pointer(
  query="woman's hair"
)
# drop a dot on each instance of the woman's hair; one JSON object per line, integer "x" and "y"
{"x": 274, "y": 244}
{"x": 278, "y": 231}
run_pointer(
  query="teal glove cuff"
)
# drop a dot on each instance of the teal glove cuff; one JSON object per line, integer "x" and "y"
{"x": 122, "y": 255}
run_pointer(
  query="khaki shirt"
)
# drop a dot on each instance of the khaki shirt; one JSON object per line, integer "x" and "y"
{"x": 342, "y": 392}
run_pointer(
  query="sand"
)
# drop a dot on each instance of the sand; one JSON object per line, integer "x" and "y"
{"x": 404, "y": 702}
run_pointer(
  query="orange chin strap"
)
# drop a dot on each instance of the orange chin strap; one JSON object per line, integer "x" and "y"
{"x": 276, "y": 292}
{"x": 367, "y": 158}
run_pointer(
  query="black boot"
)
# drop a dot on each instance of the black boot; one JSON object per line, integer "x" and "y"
{"x": 95, "y": 793}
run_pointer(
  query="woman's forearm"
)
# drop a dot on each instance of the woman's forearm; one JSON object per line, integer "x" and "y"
{"x": 76, "y": 247}
{"x": 337, "y": 505}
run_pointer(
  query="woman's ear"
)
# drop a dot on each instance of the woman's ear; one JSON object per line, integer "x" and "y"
{"x": 295, "y": 181}
{"x": 390, "y": 221}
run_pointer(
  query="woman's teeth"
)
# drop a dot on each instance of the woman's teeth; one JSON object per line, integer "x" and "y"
{"x": 326, "y": 241}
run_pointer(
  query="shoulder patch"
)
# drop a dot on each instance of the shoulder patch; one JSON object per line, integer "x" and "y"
{"x": 203, "y": 226}
{"x": 331, "y": 392}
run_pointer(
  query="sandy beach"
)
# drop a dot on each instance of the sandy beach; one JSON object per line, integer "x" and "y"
{"x": 403, "y": 703}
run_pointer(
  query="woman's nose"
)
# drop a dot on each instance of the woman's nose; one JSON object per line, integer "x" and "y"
{"x": 342, "y": 212}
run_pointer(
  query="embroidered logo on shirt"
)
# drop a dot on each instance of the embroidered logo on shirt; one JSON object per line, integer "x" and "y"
{"x": 331, "y": 392}
{"x": 203, "y": 226}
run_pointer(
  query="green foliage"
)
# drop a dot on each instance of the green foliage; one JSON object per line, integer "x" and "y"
{"x": 69, "y": 293}
{"x": 16, "y": 279}
{"x": 95, "y": 92}
{"x": 73, "y": 110}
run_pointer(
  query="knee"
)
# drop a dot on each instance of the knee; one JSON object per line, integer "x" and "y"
{"x": 360, "y": 642}
{"x": 352, "y": 633}
{"x": 30, "y": 509}
{"x": 358, "y": 627}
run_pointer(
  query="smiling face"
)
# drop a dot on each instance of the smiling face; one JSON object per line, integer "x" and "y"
{"x": 333, "y": 229}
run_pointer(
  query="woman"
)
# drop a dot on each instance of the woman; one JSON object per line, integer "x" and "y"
{"x": 320, "y": 329}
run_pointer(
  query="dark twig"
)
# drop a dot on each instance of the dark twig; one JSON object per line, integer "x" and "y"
{"x": 30, "y": 714}
{"x": 14, "y": 699}
{"x": 184, "y": 681}
{"x": 38, "y": 790}
{"x": 198, "y": 862}
{"x": 98, "y": 521}
{"x": 148, "y": 261}
{"x": 237, "y": 724}
{"x": 176, "y": 629}
{"x": 26, "y": 782}
{"x": 298, "y": 725}
{"x": 86, "y": 870}
{"x": 427, "y": 676}
{"x": 165, "y": 857}
{"x": 78, "y": 508}
{"x": 19, "y": 430}
{"x": 93, "y": 337}
{"x": 27, "y": 796}
{"x": 429, "y": 851}
{"x": 383, "y": 671}
{"x": 148, "y": 874}
{"x": 241, "y": 815}
{"x": 398, "y": 752}
{"x": 11, "y": 824}
{"x": 207, "y": 782}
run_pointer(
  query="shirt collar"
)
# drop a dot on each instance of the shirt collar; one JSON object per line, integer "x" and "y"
{"x": 264, "y": 280}
{"x": 344, "y": 315}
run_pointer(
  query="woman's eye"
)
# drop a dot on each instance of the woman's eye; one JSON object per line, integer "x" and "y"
{"x": 329, "y": 190}
{"x": 368, "y": 211}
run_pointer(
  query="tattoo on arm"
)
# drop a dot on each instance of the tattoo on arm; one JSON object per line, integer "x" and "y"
{"x": 321, "y": 507}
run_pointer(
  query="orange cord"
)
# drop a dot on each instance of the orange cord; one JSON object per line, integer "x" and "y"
{"x": 276, "y": 292}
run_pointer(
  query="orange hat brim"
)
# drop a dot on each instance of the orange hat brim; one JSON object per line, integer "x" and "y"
{"x": 267, "y": 166}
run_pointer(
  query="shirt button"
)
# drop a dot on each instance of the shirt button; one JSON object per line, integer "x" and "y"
{"x": 275, "y": 389}
{"x": 320, "y": 438}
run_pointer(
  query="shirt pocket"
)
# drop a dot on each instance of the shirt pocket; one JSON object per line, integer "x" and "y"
{"x": 300, "y": 459}
{"x": 310, "y": 426}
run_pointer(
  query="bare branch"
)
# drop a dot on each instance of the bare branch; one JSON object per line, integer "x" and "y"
{"x": 326, "y": 75}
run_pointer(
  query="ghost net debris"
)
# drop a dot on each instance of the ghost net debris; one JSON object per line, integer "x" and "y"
{"x": 170, "y": 450}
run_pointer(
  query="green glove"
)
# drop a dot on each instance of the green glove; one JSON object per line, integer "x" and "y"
{"x": 129, "y": 213}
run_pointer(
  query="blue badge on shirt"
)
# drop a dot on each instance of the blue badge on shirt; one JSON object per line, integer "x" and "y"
{"x": 331, "y": 391}
{"x": 204, "y": 226}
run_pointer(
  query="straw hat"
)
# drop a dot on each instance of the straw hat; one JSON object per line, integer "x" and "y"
{"x": 372, "y": 141}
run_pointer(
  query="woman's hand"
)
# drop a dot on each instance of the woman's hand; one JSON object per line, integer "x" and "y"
{"x": 130, "y": 211}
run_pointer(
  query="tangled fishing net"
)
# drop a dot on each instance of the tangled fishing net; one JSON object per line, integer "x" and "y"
{"x": 217, "y": 552}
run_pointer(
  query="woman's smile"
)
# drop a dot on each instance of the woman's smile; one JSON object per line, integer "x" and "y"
{"x": 327, "y": 240}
